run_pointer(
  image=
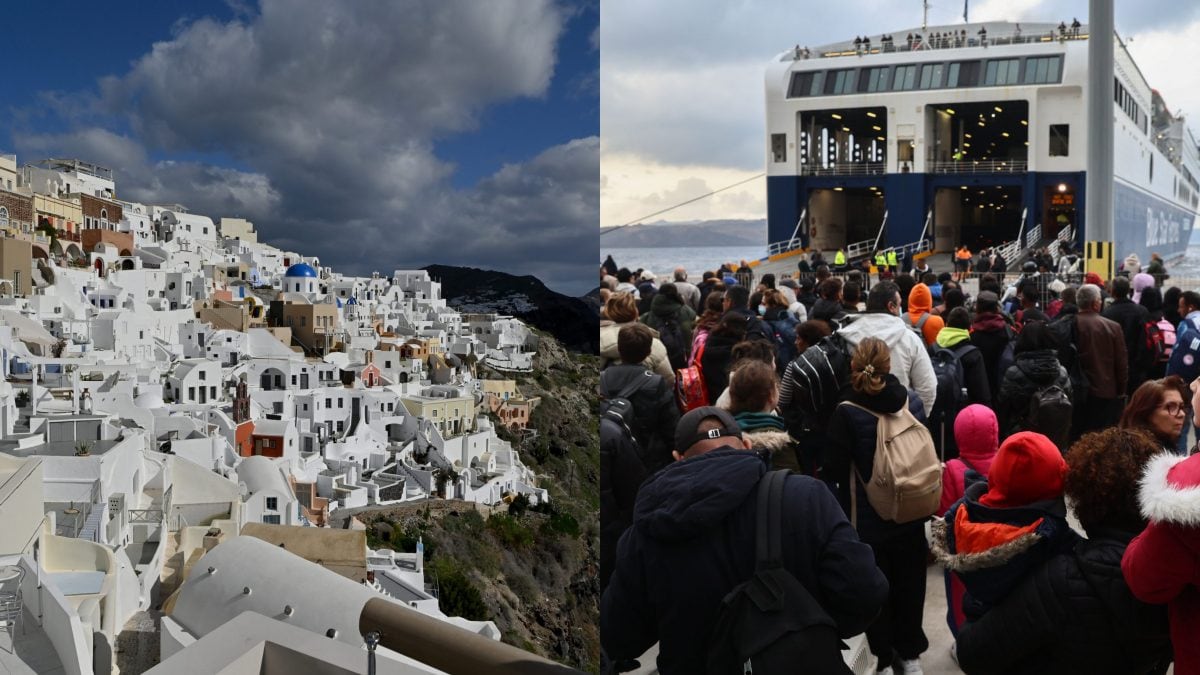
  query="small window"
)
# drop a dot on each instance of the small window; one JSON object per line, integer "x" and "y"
{"x": 1060, "y": 140}
{"x": 341, "y": 403}
{"x": 272, "y": 503}
{"x": 203, "y": 375}
{"x": 340, "y": 426}
{"x": 779, "y": 147}
{"x": 328, "y": 403}
{"x": 191, "y": 393}
{"x": 931, "y": 75}
{"x": 906, "y": 78}
{"x": 1002, "y": 72}
{"x": 271, "y": 520}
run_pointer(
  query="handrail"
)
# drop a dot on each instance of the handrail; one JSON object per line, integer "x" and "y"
{"x": 1021, "y": 232}
{"x": 1033, "y": 236}
{"x": 445, "y": 646}
{"x": 789, "y": 244}
{"x": 981, "y": 166}
{"x": 860, "y": 248}
{"x": 879, "y": 235}
{"x": 928, "y": 42}
{"x": 928, "y": 222}
{"x": 845, "y": 169}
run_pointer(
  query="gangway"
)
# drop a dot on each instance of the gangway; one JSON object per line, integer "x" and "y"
{"x": 1012, "y": 250}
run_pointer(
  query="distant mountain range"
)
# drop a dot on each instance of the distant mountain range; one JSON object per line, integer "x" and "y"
{"x": 689, "y": 233}
{"x": 574, "y": 322}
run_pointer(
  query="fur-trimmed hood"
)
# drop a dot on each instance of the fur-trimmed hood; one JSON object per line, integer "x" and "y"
{"x": 768, "y": 439}
{"x": 1170, "y": 491}
{"x": 970, "y": 562}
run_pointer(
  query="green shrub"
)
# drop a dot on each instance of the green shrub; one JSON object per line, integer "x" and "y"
{"x": 509, "y": 531}
{"x": 457, "y": 596}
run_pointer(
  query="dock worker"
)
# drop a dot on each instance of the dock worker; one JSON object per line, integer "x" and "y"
{"x": 839, "y": 261}
{"x": 893, "y": 264}
{"x": 880, "y": 261}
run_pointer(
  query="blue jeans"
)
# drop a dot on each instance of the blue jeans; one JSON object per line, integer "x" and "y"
{"x": 1182, "y": 446}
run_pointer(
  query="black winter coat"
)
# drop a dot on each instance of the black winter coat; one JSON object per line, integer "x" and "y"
{"x": 852, "y": 437}
{"x": 990, "y": 333}
{"x": 621, "y": 474}
{"x": 693, "y": 540}
{"x": 1133, "y": 318}
{"x": 654, "y": 409}
{"x": 1075, "y": 614}
{"x": 715, "y": 362}
{"x": 1031, "y": 371}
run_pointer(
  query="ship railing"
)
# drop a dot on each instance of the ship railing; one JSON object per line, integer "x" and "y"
{"x": 910, "y": 249}
{"x": 845, "y": 169}
{"x": 943, "y": 42}
{"x": 1033, "y": 236}
{"x": 860, "y": 248}
{"x": 981, "y": 166}
{"x": 792, "y": 244}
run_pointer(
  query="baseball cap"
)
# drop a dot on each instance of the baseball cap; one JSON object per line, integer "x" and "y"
{"x": 687, "y": 434}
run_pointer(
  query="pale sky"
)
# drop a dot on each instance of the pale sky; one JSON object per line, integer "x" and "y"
{"x": 682, "y": 94}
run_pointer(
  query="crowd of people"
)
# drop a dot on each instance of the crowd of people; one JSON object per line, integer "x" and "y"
{"x": 917, "y": 424}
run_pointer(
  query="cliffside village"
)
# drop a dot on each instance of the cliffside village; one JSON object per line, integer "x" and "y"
{"x": 170, "y": 383}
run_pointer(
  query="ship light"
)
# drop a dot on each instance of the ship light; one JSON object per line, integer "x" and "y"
{"x": 962, "y": 187}
{"x": 950, "y": 110}
{"x": 1004, "y": 134}
{"x": 1024, "y": 123}
{"x": 966, "y": 145}
{"x": 881, "y": 138}
{"x": 837, "y": 189}
{"x": 966, "y": 135}
{"x": 836, "y": 116}
{"x": 980, "y": 122}
{"x": 846, "y": 129}
{"x": 998, "y": 110}
{"x": 870, "y": 114}
{"x": 877, "y": 128}
{"x": 1062, "y": 187}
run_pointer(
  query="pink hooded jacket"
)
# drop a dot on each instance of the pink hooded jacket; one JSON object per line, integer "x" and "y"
{"x": 978, "y": 436}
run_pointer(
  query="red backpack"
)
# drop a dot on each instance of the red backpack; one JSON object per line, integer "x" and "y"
{"x": 1160, "y": 339}
{"x": 690, "y": 390}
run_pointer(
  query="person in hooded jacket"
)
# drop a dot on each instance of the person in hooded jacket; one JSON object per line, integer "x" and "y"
{"x": 1075, "y": 613}
{"x": 1035, "y": 366}
{"x": 783, "y": 324}
{"x": 713, "y": 310}
{"x": 919, "y": 316}
{"x": 910, "y": 359}
{"x": 992, "y": 335}
{"x": 1152, "y": 300}
{"x": 621, "y": 310}
{"x": 900, "y": 551}
{"x": 1162, "y": 564}
{"x": 693, "y": 540}
{"x": 718, "y": 353}
{"x": 956, "y": 337}
{"x": 1004, "y": 528}
{"x": 977, "y": 435}
{"x": 668, "y": 306}
{"x": 652, "y": 398}
{"x": 1132, "y": 318}
{"x": 829, "y": 307}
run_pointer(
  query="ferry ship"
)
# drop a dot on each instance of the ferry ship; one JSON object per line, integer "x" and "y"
{"x": 970, "y": 134}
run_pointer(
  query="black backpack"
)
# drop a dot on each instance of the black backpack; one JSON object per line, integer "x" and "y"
{"x": 818, "y": 375}
{"x": 675, "y": 339}
{"x": 771, "y": 623}
{"x": 1066, "y": 331}
{"x": 620, "y": 412}
{"x": 951, "y": 394}
{"x": 1049, "y": 414}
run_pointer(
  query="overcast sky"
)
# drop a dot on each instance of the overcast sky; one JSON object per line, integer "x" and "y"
{"x": 682, "y": 84}
{"x": 377, "y": 134}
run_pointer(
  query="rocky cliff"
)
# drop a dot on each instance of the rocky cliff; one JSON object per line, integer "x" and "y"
{"x": 572, "y": 321}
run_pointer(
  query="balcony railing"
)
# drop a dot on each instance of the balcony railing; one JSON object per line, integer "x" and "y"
{"x": 981, "y": 166}
{"x": 145, "y": 515}
{"x": 844, "y": 169}
{"x": 923, "y": 43}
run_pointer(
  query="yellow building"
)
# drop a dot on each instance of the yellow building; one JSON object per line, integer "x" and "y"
{"x": 451, "y": 413}
{"x": 16, "y": 265}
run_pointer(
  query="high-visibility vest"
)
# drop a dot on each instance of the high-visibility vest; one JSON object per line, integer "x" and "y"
{"x": 840, "y": 258}
{"x": 891, "y": 258}
{"x": 880, "y": 260}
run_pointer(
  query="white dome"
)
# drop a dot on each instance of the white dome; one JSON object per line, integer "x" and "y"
{"x": 261, "y": 473}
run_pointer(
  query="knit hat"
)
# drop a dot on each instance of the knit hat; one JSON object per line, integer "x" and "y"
{"x": 1093, "y": 278}
{"x": 1141, "y": 282}
{"x": 1028, "y": 468}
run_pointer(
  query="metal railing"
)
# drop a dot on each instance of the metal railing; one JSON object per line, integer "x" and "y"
{"x": 1033, "y": 236}
{"x": 980, "y": 166}
{"x": 845, "y": 169}
{"x": 789, "y": 244}
{"x": 860, "y": 248}
{"x": 879, "y": 234}
{"x": 928, "y": 42}
{"x": 153, "y": 516}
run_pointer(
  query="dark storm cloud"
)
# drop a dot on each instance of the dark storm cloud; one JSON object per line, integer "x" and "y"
{"x": 334, "y": 109}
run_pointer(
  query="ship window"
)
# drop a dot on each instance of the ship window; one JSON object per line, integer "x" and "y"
{"x": 1042, "y": 70}
{"x": 873, "y": 79}
{"x": 906, "y": 78}
{"x": 1060, "y": 140}
{"x": 779, "y": 147}
{"x": 1001, "y": 71}
{"x": 806, "y": 84}
{"x": 963, "y": 74}
{"x": 840, "y": 82}
{"x": 931, "y": 75}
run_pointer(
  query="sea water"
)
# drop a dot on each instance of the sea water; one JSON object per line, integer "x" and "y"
{"x": 695, "y": 259}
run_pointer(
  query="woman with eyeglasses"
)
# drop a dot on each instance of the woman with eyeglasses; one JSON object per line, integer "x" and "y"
{"x": 1160, "y": 407}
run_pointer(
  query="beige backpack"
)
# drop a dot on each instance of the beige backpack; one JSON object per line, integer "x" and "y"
{"x": 906, "y": 476}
